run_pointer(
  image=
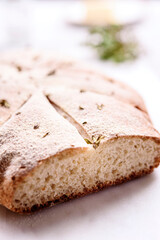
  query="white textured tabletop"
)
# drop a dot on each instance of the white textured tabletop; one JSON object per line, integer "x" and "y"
{"x": 128, "y": 211}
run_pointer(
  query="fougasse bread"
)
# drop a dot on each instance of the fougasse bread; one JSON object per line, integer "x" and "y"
{"x": 66, "y": 131}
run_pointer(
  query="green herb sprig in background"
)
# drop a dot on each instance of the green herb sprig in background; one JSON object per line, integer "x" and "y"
{"x": 114, "y": 43}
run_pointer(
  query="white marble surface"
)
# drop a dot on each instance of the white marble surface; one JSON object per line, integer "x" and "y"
{"x": 130, "y": 211}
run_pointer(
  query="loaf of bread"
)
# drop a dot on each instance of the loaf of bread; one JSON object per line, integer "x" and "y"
{"x": 66, "y": 131}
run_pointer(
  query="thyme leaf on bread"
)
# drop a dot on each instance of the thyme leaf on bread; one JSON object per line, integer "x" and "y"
{"x": 95, "y": 141}
{"x": 4, "y": 103}
{"x": 88, "y": 141}
{"x": 100, "y": 106}
{"x": 113, "y": 43}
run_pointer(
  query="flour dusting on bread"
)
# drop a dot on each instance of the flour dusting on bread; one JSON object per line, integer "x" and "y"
{"x": 66, "y": 131}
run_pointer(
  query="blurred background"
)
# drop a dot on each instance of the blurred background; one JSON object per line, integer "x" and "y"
{"x": 81, "y": 30}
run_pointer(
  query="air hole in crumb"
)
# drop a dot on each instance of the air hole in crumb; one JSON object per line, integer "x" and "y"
{"x": 48, "y": 178}
{"x": 125, "y": 151}
{"x": 72, "y": 171}
{"x": 114, "y": 171}
{"x": 24, "y": 195}
{"x": 120, "y": 164}
{"x": 61, "y": 178}
{"x": 115, "y": 161}
{"x": 22, "y": 167}
{"x": 106, "y": 175}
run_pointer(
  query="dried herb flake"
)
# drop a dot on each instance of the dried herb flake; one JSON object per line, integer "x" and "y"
{"x": 99, "y": 107}
{"x": 19, "y": 68}
{"x": 88, "y": 141}
{"x": 46, "y": 134}
{"x": 52, "y": 72}
{"x": 82, "y": 91}
{"x": 95, "y": 141}
{"x": 18, "y": 113}
{"x": 36, "y": 126}
{"x": 4, "y": 103}
{"x": 81, "y": 108}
